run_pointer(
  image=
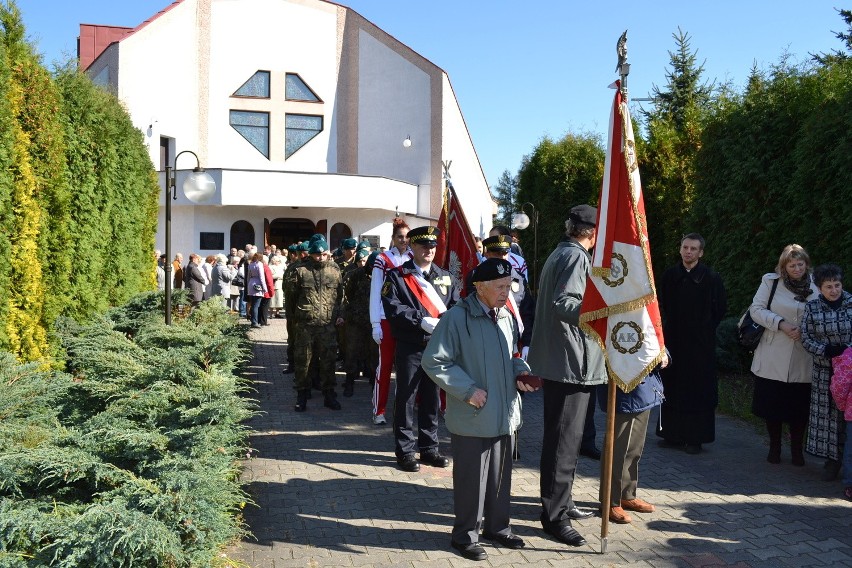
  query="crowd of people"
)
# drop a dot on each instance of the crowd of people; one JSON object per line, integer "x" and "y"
{"x": 471, "y": 350}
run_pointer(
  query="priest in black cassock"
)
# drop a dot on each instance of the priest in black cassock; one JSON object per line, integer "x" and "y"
{"x": 692, "y": 303}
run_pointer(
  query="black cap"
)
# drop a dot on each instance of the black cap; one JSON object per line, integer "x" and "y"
{"x": 492, "y": 269}
{"x": 427, "y": 236}
{"x": 497, "y": 243}
{"x": 585, "y": 214}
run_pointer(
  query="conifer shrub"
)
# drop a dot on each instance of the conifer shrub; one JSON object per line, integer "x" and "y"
{"x": 131, "y": 456}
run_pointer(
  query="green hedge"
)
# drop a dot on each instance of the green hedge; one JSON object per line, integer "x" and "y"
{"x": 78, "y": 198}
{"x": 131, "y": 458}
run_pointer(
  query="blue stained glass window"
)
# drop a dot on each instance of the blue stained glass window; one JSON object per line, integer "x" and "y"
{"x": 300, "y": 129}
{"x": 257, "y": 86}
{"x": 298, "y": 90}
{"x": 254, "y": 127}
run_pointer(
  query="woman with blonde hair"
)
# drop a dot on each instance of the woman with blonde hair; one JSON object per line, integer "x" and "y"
{"x": 781, "y": 365}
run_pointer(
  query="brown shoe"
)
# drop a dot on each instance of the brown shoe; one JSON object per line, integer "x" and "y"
{"x": 637, "y": 505}
{"x": 618, "y": 516}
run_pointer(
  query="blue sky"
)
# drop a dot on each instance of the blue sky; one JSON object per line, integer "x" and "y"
{"x": 523, "y": 70}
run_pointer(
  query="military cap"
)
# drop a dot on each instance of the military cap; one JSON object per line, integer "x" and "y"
{"x": 585, "y": 214}
{"x": 497, "y": 243}
{"x": 349, "y": 243}
{"x": 492, "y": 269}
{"x": 362, "y": 253}
{"x": 317, "y": 237}
{"x": 293, "y": 248}
{"x": 318, "y": 246}
{"x": 337, "y": 252}
{"x": 304, "y": 246}
{"x": 426, "y": 236}
{"x": 364, "y": 245}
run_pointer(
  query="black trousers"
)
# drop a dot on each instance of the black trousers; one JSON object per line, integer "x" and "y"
{"x": 412, "y": 428}
{"x": 482, "y": 486}
{"x": 565, "y": 407}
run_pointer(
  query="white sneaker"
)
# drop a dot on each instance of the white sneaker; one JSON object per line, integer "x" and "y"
{"x": 379, "y": 419}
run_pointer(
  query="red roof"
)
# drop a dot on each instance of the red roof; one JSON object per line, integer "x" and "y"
{"x": 94, "y": 39}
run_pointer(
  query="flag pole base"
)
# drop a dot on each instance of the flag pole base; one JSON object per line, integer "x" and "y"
{"x": 603, "y": 545}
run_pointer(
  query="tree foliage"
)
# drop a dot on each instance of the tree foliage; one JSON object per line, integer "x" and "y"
{"x": 557, "y": 176}
{"x": 774, "y": 169}
{"x": 845, "y": 37}
{"x": 667, "y": 160}
{"x": 78, "y": 198}
{"x": 504, "y": 193}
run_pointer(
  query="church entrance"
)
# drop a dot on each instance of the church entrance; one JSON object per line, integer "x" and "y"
{"x": 284, "y": 232}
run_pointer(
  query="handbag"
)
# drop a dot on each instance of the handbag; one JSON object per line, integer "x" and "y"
{"x": 749, "y": 331}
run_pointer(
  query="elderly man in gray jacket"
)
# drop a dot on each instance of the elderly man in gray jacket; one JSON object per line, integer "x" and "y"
{"x": 472, "y": 355}
{"x": 571, "y": 365}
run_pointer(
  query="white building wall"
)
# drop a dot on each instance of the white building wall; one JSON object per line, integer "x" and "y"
{"x": 394, "y": 103}
{"x": 466, "y": 173}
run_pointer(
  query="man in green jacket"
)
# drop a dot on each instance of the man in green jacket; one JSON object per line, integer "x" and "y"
{"x": 473, "y": 356}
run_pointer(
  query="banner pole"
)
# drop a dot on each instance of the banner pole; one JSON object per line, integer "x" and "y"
{"x": 606, "y": 464}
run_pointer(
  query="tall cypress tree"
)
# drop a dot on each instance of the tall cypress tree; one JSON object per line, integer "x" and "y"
{"x": 674, "y": 139}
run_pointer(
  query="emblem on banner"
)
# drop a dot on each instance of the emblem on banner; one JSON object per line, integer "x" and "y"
{"x": 628, "y": 340}
{"x": 386, "y": 288}
{"x": 516, "y": 286}
{"x": 617, "y": 271}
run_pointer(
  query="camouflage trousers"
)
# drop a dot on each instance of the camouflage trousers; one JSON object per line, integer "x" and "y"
{"x": 318, "y": 342}
{"x": 362, "y": 353}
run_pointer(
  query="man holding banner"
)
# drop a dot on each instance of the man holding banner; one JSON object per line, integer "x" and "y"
{"x": 571, "y": 363}
{"x": 414, "y": 297}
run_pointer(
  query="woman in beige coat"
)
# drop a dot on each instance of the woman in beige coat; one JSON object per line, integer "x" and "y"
{"x": 781, "y": 366}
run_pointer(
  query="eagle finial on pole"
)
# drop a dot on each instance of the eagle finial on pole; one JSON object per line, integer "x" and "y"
{"x": 623, "y": 67}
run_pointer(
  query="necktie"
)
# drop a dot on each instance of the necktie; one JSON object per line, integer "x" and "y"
{"x": 492, "y": 313}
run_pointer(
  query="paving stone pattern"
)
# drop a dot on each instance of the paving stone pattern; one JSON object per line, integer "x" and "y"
{"x": 327, "y": 493}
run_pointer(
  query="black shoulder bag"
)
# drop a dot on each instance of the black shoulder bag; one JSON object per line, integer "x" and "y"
{"x": 749, "y": 331}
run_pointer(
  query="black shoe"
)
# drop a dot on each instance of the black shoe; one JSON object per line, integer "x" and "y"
{"x": 348, "y": 389}
{"x": 693, "y": 449}
{"x": 507, "y": 540}
{"x": 408, "y": 463}
{"x": 592, "y": 453}
{"x": 579, "y": 514}
{"x": 302, "y": 400}
{"x": 566, "y": 534}
{"x": 471, "y": 551}
{"x": 331, "y": 401}
{"x": 434, "y": 458}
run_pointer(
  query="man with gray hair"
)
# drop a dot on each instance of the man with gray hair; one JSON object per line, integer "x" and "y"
{"x": 572, "y": 365}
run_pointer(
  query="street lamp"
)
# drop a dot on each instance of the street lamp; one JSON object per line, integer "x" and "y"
{"x": 198, "y": 187}
{"x": 521, "y": 221}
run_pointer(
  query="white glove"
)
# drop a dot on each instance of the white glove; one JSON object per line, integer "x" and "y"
{"x": 525, "y": 350}
{"x": 428, "y": 324}
{"x": 377, "y": 333}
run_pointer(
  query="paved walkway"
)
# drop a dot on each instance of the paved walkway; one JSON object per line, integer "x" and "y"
{"x": 328, "y": 494}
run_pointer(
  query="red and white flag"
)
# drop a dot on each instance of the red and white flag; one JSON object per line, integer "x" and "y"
{"x": 620, "y": 307}
{"x": 456, "y": 250}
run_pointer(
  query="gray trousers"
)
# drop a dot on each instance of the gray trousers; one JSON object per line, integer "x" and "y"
{"x": 482, "y": 485}
{"x": 630, "y": 430}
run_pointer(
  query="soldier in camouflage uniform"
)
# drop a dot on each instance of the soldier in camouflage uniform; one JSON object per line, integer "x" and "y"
{"x": 362, "y": 353}
{"x": 316, "y": 287}
{"x": 301, "y": 253}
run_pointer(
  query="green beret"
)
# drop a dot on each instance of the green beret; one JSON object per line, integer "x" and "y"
{"x": 362, "y": 253}
{"x": 318, "y": 246}
{"x": 349, "y": 243}
{"x": 317, "y": 237}
{"x": 303, "y": 246}
{"x": 364, "y": 245}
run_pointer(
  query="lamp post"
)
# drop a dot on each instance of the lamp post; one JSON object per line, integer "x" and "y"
{"x": 521, "y": 221}
{"x": 198, "y": 187}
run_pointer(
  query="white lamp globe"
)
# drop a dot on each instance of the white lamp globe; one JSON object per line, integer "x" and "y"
{"x": 520, "y": 221}
{"x": 199, "y": 186}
